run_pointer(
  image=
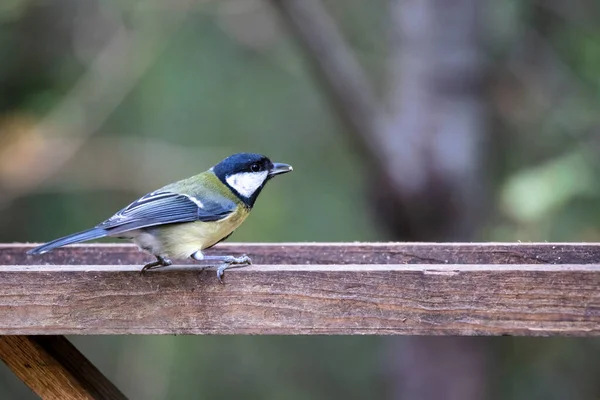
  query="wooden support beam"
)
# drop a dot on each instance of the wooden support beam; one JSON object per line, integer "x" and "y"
{"x": 326, "y": 253}
{"x": 391, "y": 288}
{"x": 54, "y": 369}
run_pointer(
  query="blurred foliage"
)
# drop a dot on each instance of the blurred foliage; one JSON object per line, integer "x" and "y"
{"x": 227, "y": 78}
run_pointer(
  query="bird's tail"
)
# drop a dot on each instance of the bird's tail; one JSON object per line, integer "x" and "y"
{"x": 90, "y": 234}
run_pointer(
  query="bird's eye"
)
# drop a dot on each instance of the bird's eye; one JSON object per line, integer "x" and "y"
{"x": 255, "y": 168}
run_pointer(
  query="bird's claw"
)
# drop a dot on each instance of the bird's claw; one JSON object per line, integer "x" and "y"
{"x": 232, "y": 261}
{"x": 160, "y": 262}
{"x": 243, "y": 259}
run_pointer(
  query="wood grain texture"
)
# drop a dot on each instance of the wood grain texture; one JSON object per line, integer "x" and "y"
{"x": 54, "y": 369}
{"x": 485, "y": 289}
{"x": 328, "y": 253}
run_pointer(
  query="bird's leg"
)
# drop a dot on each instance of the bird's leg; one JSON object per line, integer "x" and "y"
{"x": 226, "y": 262}
{"x": 160, "y": 262}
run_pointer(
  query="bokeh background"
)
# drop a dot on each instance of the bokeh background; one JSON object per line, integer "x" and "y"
{"x": 404, "y": 120}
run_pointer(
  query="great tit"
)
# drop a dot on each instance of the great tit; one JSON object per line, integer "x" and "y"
{"x": 184, "y": 218}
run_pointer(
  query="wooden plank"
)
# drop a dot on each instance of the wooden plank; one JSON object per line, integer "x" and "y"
{"x": 54, "y": 369}
{"x": 329, "y": 253}
{"x": 431, "y": 299}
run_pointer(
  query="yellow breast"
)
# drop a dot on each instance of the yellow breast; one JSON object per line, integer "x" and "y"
{"x": 182, "y": 240}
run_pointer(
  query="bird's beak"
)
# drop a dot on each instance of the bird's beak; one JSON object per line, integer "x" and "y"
{"x": 280, "y": 168}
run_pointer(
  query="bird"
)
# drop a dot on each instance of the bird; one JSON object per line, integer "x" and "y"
{"x": 184, "y": 218}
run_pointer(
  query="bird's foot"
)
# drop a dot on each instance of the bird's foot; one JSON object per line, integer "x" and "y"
{"x": 160, "y": 262}
{"x": 226, "y": 262}
{"x": 231, "y": 261}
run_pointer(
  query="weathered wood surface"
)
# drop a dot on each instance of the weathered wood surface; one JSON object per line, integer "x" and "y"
{"x": 54, "y": 369}
{"x": 328, "y": 253}
{"x": 484, "y": 289}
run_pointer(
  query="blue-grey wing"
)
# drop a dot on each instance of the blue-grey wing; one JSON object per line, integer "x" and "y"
{"x": 164, "y": 207}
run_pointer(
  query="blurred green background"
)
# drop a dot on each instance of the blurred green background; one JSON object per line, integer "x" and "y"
{"x": 102, "y": 101}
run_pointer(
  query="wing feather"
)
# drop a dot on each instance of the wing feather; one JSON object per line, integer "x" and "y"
{"x": 164, "y": 207}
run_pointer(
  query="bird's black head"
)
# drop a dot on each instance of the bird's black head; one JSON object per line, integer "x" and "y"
{"x": 247, "y": 173}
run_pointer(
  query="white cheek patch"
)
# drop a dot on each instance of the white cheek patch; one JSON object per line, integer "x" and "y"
{"x": 246, "y": 183}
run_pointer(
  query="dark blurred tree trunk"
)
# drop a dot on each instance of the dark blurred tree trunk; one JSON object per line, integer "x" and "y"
{"x": 427, "y": 179}
{"x": 438, "y": 368}
{"x": 436, "y": 143}
{"x": 435, "y": 135}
